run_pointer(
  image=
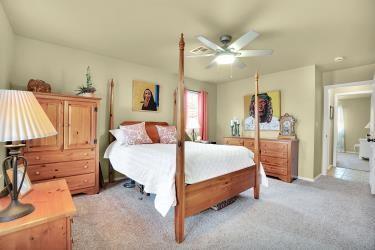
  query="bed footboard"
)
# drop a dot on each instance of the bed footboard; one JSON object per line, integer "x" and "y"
{"x": 205, "y": 194}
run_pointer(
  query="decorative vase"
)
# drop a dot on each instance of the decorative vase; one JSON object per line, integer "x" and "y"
{"x": 87, "y": 94}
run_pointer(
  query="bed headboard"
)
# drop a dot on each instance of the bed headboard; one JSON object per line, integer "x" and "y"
{"x": 150, "y": 128}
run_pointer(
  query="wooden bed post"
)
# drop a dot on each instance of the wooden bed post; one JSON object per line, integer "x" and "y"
{"x": 111, "y": 126}
{"x": 180, "y": 151}
{"x": 257, "y": 144}
{"x": 175, "y": 107}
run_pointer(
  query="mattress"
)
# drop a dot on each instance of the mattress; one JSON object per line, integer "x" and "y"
{"x": 154, "y": 166}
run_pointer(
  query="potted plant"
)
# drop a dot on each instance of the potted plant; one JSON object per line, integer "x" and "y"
{"x": 87, "y": 90}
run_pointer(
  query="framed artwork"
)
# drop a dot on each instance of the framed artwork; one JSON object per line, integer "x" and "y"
{"x": 145, "y": 96}
{"x": 287, "y": 123}
{"x": 269, "y": 111}
{"x": 26, "y": 185}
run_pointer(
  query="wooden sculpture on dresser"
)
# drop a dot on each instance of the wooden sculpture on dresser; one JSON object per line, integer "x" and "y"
{"x": 38, "y": 86}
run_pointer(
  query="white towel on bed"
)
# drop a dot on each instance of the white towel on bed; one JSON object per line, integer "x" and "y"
{"x": 154, "y": 166}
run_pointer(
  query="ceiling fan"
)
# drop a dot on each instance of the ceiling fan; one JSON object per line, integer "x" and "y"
{"x": 229, "y": 53}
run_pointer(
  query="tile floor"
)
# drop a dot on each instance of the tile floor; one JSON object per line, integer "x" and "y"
{"x": 349, "y": 174}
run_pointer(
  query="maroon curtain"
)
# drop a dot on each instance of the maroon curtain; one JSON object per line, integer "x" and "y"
{"x": 202, "y": 114}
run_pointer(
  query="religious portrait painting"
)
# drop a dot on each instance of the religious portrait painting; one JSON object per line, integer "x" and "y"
{"x": 145, "y": 96}
{"x": 269, "y": 111}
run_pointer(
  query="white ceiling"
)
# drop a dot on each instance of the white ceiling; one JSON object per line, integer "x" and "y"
{"x": 146, "y": 32}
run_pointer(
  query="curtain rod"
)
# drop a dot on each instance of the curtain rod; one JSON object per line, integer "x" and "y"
{"x": 195, "y": 91}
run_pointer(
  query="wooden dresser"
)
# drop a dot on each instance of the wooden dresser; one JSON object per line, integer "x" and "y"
{"x": 279, "y": 157}
{"x": 73, "y": 153}
{"x": 48, "y": 226}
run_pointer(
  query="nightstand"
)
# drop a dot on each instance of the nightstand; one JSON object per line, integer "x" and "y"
{"x": 49, "y": 226}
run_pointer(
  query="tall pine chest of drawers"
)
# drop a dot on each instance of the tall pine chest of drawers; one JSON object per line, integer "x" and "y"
{"x": 72, "y": 154}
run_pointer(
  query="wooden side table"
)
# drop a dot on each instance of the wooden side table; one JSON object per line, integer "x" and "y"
{"x": 49, "y": 226}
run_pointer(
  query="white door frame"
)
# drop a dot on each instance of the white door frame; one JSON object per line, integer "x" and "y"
{"x": 326, "y": 132}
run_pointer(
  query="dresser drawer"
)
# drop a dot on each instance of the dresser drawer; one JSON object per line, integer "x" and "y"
{"x": 275, "y": 149}
{"x": 35, "y": 158}
{"x": 249, "y": 144}
{"x": 80, "y": 181}
{"x": 281, "y": 162}
{"x": 274, "y": 170}
{"x": 234, "y": 141}
{"x": 274, "y": 146}
{"x": 61, "y": 169}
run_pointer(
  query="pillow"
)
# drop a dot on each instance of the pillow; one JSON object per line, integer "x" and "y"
{"x": 135, "y": 134}
{"x": 119, "y": 135}
{"x": 167, "y": 134}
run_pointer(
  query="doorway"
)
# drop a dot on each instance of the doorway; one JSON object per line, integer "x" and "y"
{"x": 346, "y": 125}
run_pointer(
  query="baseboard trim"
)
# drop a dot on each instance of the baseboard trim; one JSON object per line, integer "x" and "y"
{"x": 309, "y": 179}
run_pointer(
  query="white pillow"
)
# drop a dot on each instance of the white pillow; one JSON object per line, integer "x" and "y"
{"x": 119, "y": 135}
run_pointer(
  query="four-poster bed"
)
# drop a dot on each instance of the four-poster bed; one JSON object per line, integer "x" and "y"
{"x": 190, "y": 197}
{"x": 195, "y": 198}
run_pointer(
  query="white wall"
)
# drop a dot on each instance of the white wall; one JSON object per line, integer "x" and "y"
{"x": 64, "y": 68}
{"x": 297, "y": 88}
{"x": 6, "y": 56}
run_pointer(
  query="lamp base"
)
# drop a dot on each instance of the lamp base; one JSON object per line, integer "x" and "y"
{"x": 15, "y": 210}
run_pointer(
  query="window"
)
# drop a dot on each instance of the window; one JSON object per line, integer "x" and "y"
{"x": 192, "y": 121}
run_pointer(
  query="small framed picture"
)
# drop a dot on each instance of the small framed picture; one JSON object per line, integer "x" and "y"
{"x": 26, "y": 185}
{"x": 331, "y": 112}
{"x": 287, "y": 124}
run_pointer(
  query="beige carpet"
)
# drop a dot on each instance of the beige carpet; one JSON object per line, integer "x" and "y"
{"x": 327, "y": 214}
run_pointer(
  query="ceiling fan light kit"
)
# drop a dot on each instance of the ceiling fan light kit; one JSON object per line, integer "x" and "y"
{"x": 225, "y": 59}
{"x": 230, "y": 53}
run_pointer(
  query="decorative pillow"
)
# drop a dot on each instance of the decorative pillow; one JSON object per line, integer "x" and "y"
{"x": 119, "y": 135}
{"x": 167, "y": 134}
{"x": 136, "y": 134}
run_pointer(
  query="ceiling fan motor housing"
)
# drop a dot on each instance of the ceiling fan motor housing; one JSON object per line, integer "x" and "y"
{"x": 225, "y": 39}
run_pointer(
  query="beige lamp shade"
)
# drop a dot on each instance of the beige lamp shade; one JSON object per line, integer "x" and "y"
{"x": 22, "y": 117}
{"x": 368, "y": 125}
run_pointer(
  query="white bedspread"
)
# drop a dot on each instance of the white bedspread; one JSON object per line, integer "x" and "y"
{"x": 154, "y": 166}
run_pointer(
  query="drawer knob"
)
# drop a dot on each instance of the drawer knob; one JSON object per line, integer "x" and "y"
{"x": 85, "y": 166}
{"x": 37, "y": 173}
{"x": 85, "y": 181}
{"x": 85, "y": 154}
{"x": 37, "y": 158}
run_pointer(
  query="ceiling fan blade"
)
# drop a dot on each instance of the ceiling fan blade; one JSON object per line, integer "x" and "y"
{"x": 203, "y": 55}
{"x": 243, "y": 40}
{"x": 237, "y": 63}
{"x": 209, "y": 44}
{"x": 211, "y": 64}
{"x": 255, "y": 52}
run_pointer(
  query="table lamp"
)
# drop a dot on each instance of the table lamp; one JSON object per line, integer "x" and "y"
{"x": 193, "y": 124}
{"x": 21, "y": 118}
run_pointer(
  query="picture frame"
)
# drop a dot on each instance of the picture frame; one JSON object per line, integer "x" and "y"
{"x": 269, "y": 106}
{"x": 26, "y": 185}
{"x": 287, "y": 127}
{"x": 145, "y": 96}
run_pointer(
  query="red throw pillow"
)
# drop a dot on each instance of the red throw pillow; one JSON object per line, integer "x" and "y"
{"x": 167, "y": 134}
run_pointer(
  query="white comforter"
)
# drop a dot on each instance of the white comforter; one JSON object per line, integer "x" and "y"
{"x": 154, "y": 166}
